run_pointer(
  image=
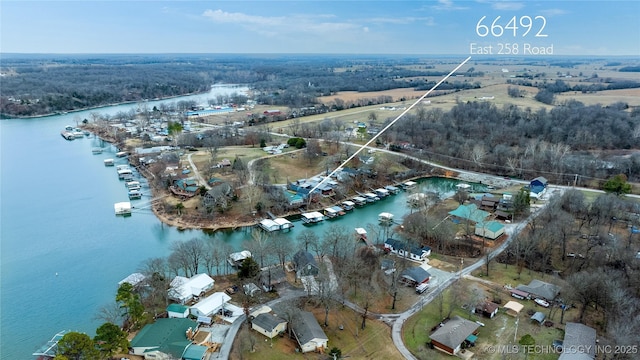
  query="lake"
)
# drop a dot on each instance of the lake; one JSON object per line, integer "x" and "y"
{"x": 62, "y": 249}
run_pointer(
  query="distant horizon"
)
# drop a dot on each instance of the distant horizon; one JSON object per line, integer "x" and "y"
{"x": 403, "y": 27}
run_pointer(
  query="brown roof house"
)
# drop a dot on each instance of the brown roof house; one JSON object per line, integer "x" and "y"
{"x": 450, "y": 336}
{"x": 488, "y": 309}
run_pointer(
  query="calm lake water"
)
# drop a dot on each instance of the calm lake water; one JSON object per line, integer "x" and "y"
{"x": 62, "y": 250}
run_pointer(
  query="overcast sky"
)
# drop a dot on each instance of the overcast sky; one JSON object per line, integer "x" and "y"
{"x": 314, "y": 26}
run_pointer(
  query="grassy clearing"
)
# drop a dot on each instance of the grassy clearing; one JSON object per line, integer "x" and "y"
{"x": 371, "y": 343}
{"x": 497, "y": 331}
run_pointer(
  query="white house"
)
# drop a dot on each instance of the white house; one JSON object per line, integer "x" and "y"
{"x": 185, "y": 289}
{"x": 210, "y": 305}
{"x": 177, "y": 311}
{"x": 403, "y": 249}
{"x": 268, "y": 325}
{"x": 308, "y": 332}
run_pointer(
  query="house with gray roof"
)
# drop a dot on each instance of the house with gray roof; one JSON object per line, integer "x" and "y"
{"x": 579, "y": 342}
{"x": 305, "y": 264}
{"x": 415, "y": 276}
{"x": 268, "y": 325}
{"x": 308, "y": 333}
{"x": 449, "y": 337}
{"x": 540, "y": 289}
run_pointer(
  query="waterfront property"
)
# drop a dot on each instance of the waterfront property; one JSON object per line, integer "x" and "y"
{"x": 236, "y": 258}
{"x": 210, "y": 305}
{"x": 305, "y": 264}
{"x": 50, "y": 349}
{"x": 403, "y": 249}
{"x": 312, "y": 217}
{"x": 275, "y": 224}
{"x": 167, "y": 338}
{"x": 185, "y": 289}
{"x": 177, "y": 311}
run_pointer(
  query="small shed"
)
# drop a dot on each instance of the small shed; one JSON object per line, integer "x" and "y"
{"x": 513, "y": 308}
{"x": 490, "y": 229}
{"x": 538, "y": 316}
{"x": 488, "y": 309}
{"x": 177, "y": 311}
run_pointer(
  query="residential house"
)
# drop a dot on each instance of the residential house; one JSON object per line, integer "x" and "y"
{"x": 469, "y": 212}
{"x": 305, "y": 264}
{"x": 579, "y": 342}
{"x": 210, "y": 305}
{"x": 185, "y": 289}
{"x": 537, "y": 187}
{"x": 403, "y": 249}
{"x": 184, "y": 188}
{"x": 177, "y": 311}
{"x": 219, "y": 195}
{"x": 308, "y": 333}
{"x": 414, "y": 276}
{"x": 449, "y": 338}
{"x": 251, "y": 289}
{"x": 489, "y": 229}
{"x": 540, "y": 289}
{"x": 272, "y": 277}
{"x": 488, "y": 309}
{"x": 268, "y": 325}
{"x": 167, "y": 339}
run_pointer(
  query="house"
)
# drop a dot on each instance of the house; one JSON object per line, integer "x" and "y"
{"x": 452, "y": 334}
{"x": 272, "y": 277}
{"x": 177, "y": 311}
{"x": 184, "y": 188}
{"x": 166, "y": 339}
{"x": 537, "y": 187}
{"x": 513, "y": 308}
{"x": 251, "y": 289}
{"x": 469, "y": 212}
{"x": 489, "y": 229}
{"x": 414, "y": 276}
{"x": 488, "y": 309}
{"x": 268, "y": 325}
{"x": 403, "y": 249}
{"x": 539, "y": 317}
{"x": 210, "y": 305}
{"x": 185, "y": 289}
{"x": 308, "y": 332}
{"x": 305, "y": 264}
{"x": 540, "y": 289}
{"x": 219, "y": 194}
{"x": 579, "y": 342}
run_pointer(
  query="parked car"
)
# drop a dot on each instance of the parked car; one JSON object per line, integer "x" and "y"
{"x": 541, "y": 302}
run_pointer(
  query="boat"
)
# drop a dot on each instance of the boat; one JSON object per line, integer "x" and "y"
{"x": 122, "y": 167}
{"x": 409, "y": 185}
{"x": 50, "y": 349}
{"x": 235, "y": 259}
{"x": 312, "y": 217}
{"x": 135, "y": 194}
{"x": 122, "y": 208}
{"x": 124, "y": 173}
{"x": 371, "y": 197}
{"x": 359, "y": 200}
{"x": 77, "y": 133}
{"x": 133, "y": 185}
{"x": 385, "y": 217}
{"x": 348, "y": 205}
{"x": 121, "y": 154}
{"x": 392, "y": 189}
{"x": 381, "y": 193}
{"x": 96, "y": 151}
{"x": 67, "y": 135}
{"x": 108, "y": 162}
{"x": 463, "y": 186}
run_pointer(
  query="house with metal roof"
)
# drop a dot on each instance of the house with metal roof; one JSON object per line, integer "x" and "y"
{"x": 579, "y": 342}
{"x": 539, "y": 317}
{"x": 489, "y": 229}
{"x": 308, "y": 333}
{"x": 469, "y": 212}
{"x": 210, "y": 305}
{"x": 415, "y": 276}
{"x": 166, "y": 339}
{"x": 404, "y": 249}
{"x": 177, "y": 311}
{"x": 185, "y": 289}
{"x": 449, "y": 337}
{"x": 305, "y": 264}
{"x": 540, "y": 289}
{"x": 268, "y": 325}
